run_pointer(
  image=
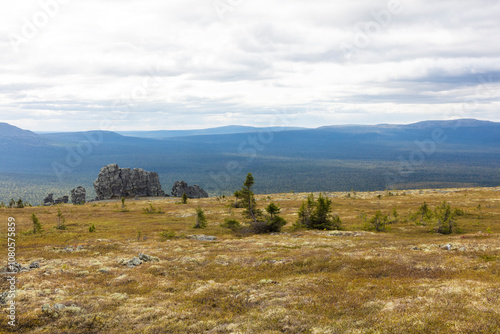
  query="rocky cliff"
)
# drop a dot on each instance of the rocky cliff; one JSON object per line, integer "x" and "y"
{"x": 114, "y": 182}
{"x": 181, "y": 187}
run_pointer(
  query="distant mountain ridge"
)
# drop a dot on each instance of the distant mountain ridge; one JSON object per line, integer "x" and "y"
{"x": 11, "y": 131}
{"x": 332, "y": 158}
{"x": 230, "y": 129}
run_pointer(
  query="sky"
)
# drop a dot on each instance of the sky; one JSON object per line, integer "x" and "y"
{"x": 69, "y": 65}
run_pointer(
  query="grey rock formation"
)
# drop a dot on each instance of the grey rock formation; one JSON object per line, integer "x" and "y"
{"x": 202, "y": 237}
{"x": 61, "y": 200}
{"x": 4, "y": 297}
{"x": 114, "y": 182}
{"x": 78, "y": 195}
{"x": 181, "y": 187}
{"x": 135, "y": 261}
{"x": 14, "y": 267}
{"x": 148, "y": 258}
{"x": 49, "y": 200}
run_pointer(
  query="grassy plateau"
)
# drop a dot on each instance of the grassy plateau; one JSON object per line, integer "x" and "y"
{"x": 408, "y": 279}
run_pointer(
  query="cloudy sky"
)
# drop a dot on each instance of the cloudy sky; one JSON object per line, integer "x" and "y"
{"x": 71, "y": 65}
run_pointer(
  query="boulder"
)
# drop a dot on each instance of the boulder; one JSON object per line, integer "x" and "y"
{"x": 181, "y": 187}
{"x": 49, "y": 200}
{"x": 202, "y": 237}
{"x": 148, "y": 258}
{"x": 78, "y": 195}
{"x": 135, "y": 261}
{"x": 61, "y": 200}
{"x": 116, "y": 182}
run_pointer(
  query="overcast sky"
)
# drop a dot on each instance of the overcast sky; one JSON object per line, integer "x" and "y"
{"x": 144, "y": 65}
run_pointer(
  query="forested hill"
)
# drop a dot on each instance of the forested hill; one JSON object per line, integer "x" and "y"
{"x": 425, "y": 154}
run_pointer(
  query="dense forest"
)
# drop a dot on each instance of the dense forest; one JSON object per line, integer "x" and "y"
{"x": 360, "y": 158}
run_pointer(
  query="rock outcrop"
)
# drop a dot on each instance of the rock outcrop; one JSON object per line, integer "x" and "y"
{"x": 114, "y": 182}
{"x": 181, "y": 187}
{"x": 78, "y": 195}
{"x": 62, "y": 200}
{"x": 49, "y": 200}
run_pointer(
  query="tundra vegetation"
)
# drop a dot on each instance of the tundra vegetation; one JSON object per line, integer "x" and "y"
{"x": 435, "y": 270}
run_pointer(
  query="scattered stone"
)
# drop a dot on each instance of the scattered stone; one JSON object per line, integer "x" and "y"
{"x": 78, "y": 195}
{"x": 116, "y": 182}
{"x": 34, "y": 265}
{"x": 135, "y": 261}
{"x": 46, "y": 309}
{"x": 346, "y": 233}
{"x": 181, "y": 187}
{"x": 148, "y": 258}
{"x": 3, "y": 297}
{"x": 447, "y": 247}
{"x": 104, "y": 270}
{"x": 59, "y": 307}
{"x": 49, "y": 200}
{"x": 202, "y": 237}
{"x": 14, "y": 267}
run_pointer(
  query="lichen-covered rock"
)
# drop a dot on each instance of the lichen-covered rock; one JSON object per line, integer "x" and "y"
{"x": 115, "y": 182}
{"x": 148, "y": 258}
{"x": 134, "y": 262}
{"x": 202, "y": 237}
{"x": 181, "y": 187}
{"x": 78, "y": 195}
{"x": 47, "y": 309}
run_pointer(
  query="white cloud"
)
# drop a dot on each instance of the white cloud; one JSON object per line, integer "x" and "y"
{"x": 177, "y": 64}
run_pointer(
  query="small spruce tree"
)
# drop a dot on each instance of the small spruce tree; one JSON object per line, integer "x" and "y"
{"x": 231, "y": 224}
{"x": 445, "y": 218}
{"x": 61, "y": 221}
{"x": 424, "y": 212}
{"x": 305, "y": 212}
{"x": 274, "y": 222}
{"x": 37, "y": 226}
{"x": 20, "y": 204}
{"x": 201, "y": 220}
{"x": 184, "y": 198}
{"x": 318, "y": 214}
{"x": 379, "y": 221}
{"x": 248, "y": 198}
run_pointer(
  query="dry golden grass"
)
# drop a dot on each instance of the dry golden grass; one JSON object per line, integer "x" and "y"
{"x": 301, "y": 281}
